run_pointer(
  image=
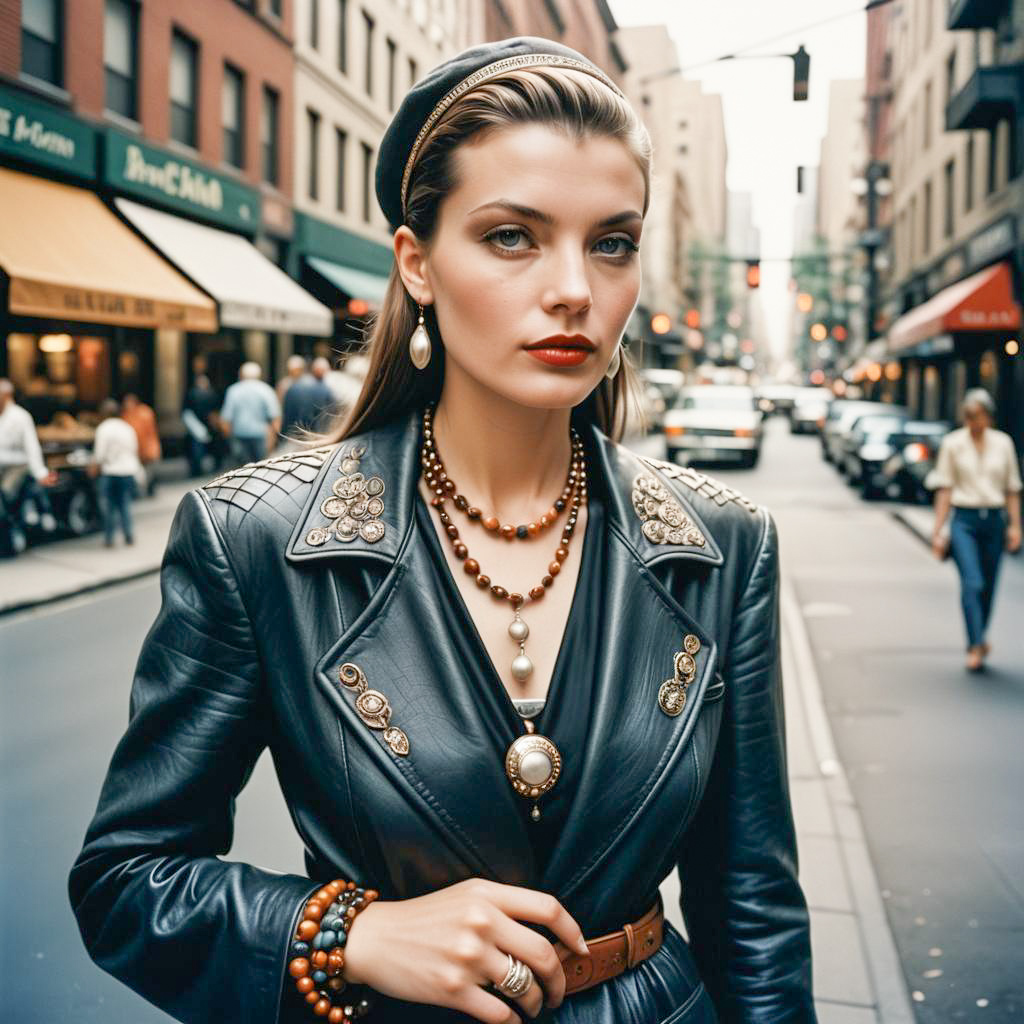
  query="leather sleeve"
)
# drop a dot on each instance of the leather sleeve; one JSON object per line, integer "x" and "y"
{"x": 745, "y": 912}
{"x": 202, "y": 938}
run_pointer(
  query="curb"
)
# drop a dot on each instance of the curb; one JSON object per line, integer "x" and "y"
{"x": 892, "y": 997}
{"x": 901, "y": 516}
{"x": 86, "y": 588}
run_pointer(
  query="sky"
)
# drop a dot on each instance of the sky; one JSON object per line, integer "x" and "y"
{"x": 768, "y": 135}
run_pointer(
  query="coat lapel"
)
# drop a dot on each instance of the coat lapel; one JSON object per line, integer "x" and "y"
{"x": 412, "y": 648}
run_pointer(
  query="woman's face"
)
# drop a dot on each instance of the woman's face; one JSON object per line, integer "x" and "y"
{"x": 538, "y": 239}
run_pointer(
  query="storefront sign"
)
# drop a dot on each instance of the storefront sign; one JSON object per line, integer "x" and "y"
{"x": 992, "y": 242}
{"x": 36, "y": 133}
{"x": 134, "y": 167}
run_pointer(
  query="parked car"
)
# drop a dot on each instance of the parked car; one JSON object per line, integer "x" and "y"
{"x": 714, "y": 423}
{"x": 773, "y": 398}
{"x": 839, "y": 420}
{"x": 809, "y": 408}
{"x": 904, "y": 474}
{"x": 872, "y": 439}
{"x": 648, "y": 418}
{"x": 668, "y": 382}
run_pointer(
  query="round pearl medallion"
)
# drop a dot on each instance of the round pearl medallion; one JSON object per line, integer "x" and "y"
{"x": 533, "y": 765}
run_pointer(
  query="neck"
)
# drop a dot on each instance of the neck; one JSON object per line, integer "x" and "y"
{"x": 506, "y": 458}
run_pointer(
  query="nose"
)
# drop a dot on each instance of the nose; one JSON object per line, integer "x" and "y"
{"x": 568, "y": 289}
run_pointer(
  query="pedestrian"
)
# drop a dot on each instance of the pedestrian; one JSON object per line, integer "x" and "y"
{"x": 24, "y": 476}
{"x": 489, "y": 756}
{"x": 142, "y": 419}
{"x": 251, "y": 414}
{"x": 115, "y": 460}
{"x": 295, "y": 367}
{"x": 977, "y": 474}
{"x": 202, "y": 423}
{"x": 309, "y": 402}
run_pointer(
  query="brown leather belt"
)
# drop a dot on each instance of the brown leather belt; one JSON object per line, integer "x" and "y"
{"x": 615, "y": 952}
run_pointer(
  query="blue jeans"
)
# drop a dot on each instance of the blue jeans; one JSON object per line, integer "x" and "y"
{"x": 115, "y": 497}
{"x": 249, "y": 449}
{"x": 976, "y": 543}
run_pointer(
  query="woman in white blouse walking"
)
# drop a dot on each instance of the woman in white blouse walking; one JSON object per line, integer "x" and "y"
{"x": 115, "y": 455}
{"x": 978, "y": 475}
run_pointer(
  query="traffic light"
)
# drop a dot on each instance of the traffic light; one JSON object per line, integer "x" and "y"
{"x": 692, "y": 318}
{"x": 753, "y": 273}
{"x": 801, "y": 72}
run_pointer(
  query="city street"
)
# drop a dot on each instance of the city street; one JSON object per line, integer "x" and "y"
{"x": 931, "y": 755}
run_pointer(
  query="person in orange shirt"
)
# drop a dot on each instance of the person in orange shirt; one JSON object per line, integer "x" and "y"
{"x": 143, "y": 420}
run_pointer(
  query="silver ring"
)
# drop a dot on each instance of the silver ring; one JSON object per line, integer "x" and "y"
{"x": 517, "y": 980}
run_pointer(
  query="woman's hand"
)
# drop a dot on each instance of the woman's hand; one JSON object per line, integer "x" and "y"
{"x": 1013, "y": 539}
{"x": 940, "y": 545}
{"x": 442, "y": 947}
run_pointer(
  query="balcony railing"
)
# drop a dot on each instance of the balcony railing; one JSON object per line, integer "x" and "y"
{"x": 975, "y": 13}
{"x": 990, "y": 94}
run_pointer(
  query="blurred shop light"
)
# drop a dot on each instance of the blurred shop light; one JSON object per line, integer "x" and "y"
{"x": 874, "y": 372}
{"x": 819, "y": 332}
{"x": 817, "y": 377}
{"x": 695, "y": 340}
{"x": 748, "y": 345}
{"x": 747, "y": 363}
{"x": 661, "y": 323}
{"x": 55, "y": 343}
{"x": 893, "y": 371}
{"x": 839, "y": 332}
{"x": 839, "y": 387}
{"x": 734, "y": 319}
{"x": 358, "y": 307}
{"x": 692, "y": 318}
{"x": 804, "y": 302}
{"x": 1012, "y": 347}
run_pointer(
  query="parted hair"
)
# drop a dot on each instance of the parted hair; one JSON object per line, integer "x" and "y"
{"x": 577, "y": 104}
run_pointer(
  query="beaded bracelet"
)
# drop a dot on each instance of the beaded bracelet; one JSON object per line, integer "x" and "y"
{"x": 318, "y": 954}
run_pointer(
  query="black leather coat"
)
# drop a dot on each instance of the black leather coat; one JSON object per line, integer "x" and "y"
{"x": 262, "y": 604}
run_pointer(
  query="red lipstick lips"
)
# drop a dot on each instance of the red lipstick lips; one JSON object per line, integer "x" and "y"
{"x": 562, "y": 349}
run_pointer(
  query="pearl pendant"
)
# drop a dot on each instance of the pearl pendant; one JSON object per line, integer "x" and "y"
{"x": 522, "y": 667}
{"x": 419, "y": 347}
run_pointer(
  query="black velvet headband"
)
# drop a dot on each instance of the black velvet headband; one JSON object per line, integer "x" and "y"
{"x": 427, "y": 101}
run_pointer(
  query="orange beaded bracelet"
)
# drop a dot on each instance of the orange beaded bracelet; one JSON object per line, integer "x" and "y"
{"x": 318, "y": 949}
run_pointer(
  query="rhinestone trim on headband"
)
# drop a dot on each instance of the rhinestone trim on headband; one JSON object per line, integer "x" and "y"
{"x": 499, "y": 67}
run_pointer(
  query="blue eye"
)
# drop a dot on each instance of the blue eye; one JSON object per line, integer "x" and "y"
{"x": 629, "y": 246}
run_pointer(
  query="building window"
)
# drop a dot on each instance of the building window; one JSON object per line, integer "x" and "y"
{"x": 367, "y": 179}
{"x": 313, "y": 130}
{"x": 912, "y": 234}
{"x": 993, "y": 152}
{"x": 184, "y": 65}
{"x": 275, "y": 8}
{"x": 314, "y": 24}
{"x": 926, "y": 114}
{"x": 926, "y": 219}
{"x": 341, "y": 146}
{"x": 233, "y": 115}
{"x": 950, "y": 76}
{"x": 120, "y": 47}
{"x": 949, "y": 173}
{"x": 41, "y": 40}
{"x": 268, "y": 136}
{"x": 414, "y": 72}
{"x": 368, "y": 56}
{"x": 392, "y": 61}
{"x": 343, "y": 36}
{"x": 969, "y": 173}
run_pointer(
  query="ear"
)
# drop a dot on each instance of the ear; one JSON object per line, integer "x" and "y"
{"x": 411, "y": 259}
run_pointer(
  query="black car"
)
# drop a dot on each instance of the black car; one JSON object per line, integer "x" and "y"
{"x": 869, "y": 442}
{"x": 904, "y": 473}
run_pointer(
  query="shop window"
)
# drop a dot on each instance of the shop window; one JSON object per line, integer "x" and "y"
{"x": 931, "y": 388}
{"x": 42, "y": 54}
{"x": 268, "y": 136}
{"x": 233, "y": 116}
{"x": 184, "y": 73}
{"x": 59, "y": 373}
{"x": 120, "y": 49}
{"x": 988, "y": 372}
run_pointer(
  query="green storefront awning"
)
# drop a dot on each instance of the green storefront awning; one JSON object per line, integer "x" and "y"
{"x": 357, "y": 284}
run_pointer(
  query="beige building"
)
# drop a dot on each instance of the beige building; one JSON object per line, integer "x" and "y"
{"x": 956, "y": 122}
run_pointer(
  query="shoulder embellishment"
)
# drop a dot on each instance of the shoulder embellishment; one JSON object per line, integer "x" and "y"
{"x": 704, "y": 485}
{"x": 355, "y": 506}
{"x": 245, "y": 485}
{"x": 663, "y": 518}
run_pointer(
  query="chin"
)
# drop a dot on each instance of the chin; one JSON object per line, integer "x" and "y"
{"x": 547, "y": 390}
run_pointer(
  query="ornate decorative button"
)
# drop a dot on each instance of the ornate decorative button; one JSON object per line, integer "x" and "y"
{"x": 663, "y": 518}
{"x": 672, "y": 692}
{"x": 691, "y": 644}
{"x": 373, "y": 707}
{"x": 355, "y": 506}
{"x": 316, "y": 537}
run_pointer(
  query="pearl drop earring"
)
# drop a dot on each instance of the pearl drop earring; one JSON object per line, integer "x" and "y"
{"x": 419, "y": 345}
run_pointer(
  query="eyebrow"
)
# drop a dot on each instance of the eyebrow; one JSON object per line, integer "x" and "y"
{"x": 546, "y": 218}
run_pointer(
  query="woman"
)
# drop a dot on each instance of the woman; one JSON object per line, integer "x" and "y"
{"x": 977, "y": 474}
{"x": 115, "y": 459}
{"x": 513, "y": 750}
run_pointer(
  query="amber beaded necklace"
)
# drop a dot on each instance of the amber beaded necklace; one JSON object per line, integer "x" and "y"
{"x": 532, "y": 762}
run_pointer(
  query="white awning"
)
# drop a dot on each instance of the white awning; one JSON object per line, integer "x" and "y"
{"x": 357, "y": 284}
{"x": 251, "y": 292}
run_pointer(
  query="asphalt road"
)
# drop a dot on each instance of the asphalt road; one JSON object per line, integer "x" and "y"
{"x": 932, "y": 753}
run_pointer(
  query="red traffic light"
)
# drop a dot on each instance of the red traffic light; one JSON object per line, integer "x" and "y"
{"x": 753, "y": 273}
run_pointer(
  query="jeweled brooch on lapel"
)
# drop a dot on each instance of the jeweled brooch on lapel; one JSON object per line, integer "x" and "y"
{"x": 663, "y": 517}
{"x": 355, "y": 507}
{"x": 373, "y": 707}
{"x": 672, "y": 693}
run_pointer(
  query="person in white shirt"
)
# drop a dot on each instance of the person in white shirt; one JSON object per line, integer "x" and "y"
{"x": 23, "y": 474}
{"x": 115, "y": 455}
{"x": 977, "y": 474}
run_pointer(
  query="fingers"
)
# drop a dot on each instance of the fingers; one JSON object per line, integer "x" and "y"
{"x": 532, "y": 999}
{"x": 485, "y": 1007}
{"x": 541, "y": 908}
{"x": 537, "y": 953}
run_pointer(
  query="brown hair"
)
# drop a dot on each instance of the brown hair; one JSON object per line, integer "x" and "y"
{"x": 577, "y": 104}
